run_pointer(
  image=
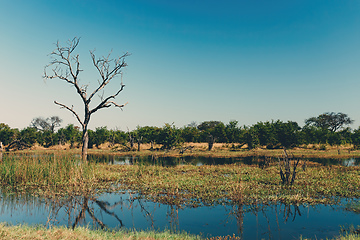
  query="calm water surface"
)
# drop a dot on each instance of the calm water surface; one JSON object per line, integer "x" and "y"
{"x": 126, "y": 210}
{"x": 198, "y": 161}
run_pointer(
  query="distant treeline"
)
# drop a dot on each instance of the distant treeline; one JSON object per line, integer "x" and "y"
{"x": 270, "y": 134}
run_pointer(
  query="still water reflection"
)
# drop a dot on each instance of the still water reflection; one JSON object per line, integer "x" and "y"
{"x": 198, "y": 161}
{"x": 127, "y": 210}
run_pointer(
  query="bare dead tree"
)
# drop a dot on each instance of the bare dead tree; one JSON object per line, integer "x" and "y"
{"x": 49, "y": 123}
{"x": 65, "y": 65}
{"x": 139, "y": 141}
{"x": 288, "y": 177}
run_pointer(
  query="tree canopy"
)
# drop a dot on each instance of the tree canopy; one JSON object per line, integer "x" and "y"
{"x": 331, "y": 121}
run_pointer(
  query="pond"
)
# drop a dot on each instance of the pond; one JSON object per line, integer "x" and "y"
{"x": 132, "y": 211}
{"x": 198, "y": 161}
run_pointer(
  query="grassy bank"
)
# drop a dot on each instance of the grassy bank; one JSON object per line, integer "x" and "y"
{"x": 57, "y": 233}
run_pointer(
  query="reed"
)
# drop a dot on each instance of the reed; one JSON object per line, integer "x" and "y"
{"x": 47, "y": 173}
{"x": 55, "y": 233}
{"x": 56, "y": 175}
{"x": 234, "y": 183}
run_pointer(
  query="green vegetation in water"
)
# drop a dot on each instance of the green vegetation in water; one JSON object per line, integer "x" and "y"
{"x": 180, "y": 185}
{"x": 239, "y": 184}
{"x": 353, "y": 206}
{"x": 47, "y": 174}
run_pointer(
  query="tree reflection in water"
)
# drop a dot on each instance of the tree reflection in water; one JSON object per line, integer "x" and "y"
{"x": 77, "y": 207}
{"x": 135, "y": 211}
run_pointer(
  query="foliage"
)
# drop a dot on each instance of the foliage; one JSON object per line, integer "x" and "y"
{"x": 269, "y": 134}
{"x": 169, "y": 136}
{"x": 101, "y": 135}
{"x": 331, "y": 121}
{"x": 212, "y": 130}
{"x": 190, "y": 134}
{"x": 7, "y": 135}
{"x": 148, "y": 134}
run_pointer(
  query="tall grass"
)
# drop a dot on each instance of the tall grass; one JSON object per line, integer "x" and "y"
{"x": 55, "y": 233}
{"x": 55, "y": 173}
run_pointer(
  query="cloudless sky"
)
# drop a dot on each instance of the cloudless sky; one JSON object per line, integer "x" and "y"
{"x": 195, "y": 60}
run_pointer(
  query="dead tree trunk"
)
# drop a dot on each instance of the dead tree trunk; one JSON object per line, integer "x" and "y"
{"x": 65, "y": 66}
{"x": 288, "y": 177}
{"x": 131, "y": 141}
{"x": 139, "y": 143}
{"x": 211, "y": 141}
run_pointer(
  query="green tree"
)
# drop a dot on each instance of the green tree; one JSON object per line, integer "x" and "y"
{"x": 331, "y": 121}
{"x": 25, "y": 138}
{"x": 212, "y": 130}
{"x": 287, "y": 134}
{"x": 190, "y": 134}
{"x": 355, "y": 138}
{"x": 148, "y": 134}
{"x": 48, "y": 138}
{"x": 233, "y": 132}
{"x": 169, "y": 136}
{"x": 7, "y": 135}
{"x": 101, "y": 135}
{"x": 266, "y": 134}
{"x": 251, "y": 137}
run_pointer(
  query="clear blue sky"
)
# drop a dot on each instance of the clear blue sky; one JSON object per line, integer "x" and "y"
{"x": 192, "y": 60}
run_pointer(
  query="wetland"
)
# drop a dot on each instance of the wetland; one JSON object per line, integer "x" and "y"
{"x": 203, "y": 196}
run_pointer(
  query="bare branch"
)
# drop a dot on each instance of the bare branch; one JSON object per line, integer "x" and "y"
{"x": 117, "y": 105}
{"x": 71, "y": 110}
{"x": 105, "y": 102}
{"x": 62, "y": 58}
{"x": 103, "y": 65}
{"x": 65, "y": 66}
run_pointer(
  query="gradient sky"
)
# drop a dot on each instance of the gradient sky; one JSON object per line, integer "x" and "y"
{"x": 195, "y": 60}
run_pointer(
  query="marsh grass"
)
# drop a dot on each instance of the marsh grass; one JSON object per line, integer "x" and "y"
{"x": 39, "y": 232}
{"x": 47, "y": 174}
{"x": 240, "y": 184}
{"x": 54, "y": 175}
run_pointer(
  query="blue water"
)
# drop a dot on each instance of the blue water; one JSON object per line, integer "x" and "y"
{"x": 198, "y": 161}
{"x": 124, "y": 210}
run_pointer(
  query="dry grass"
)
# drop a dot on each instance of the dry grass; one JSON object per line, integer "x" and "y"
{"x": 221, "y": 150}
{"x": 56, "y": 233}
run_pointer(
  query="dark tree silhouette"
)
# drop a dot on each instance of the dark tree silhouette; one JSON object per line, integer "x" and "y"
{"x": 331, "y": 121}
{"x": 65, "y": 66}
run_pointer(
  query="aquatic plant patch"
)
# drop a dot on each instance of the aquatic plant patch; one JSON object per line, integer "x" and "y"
{"x": 48, "y": 175}
{"x": 181, "y": 185}
{"x": 196, "y": 185}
